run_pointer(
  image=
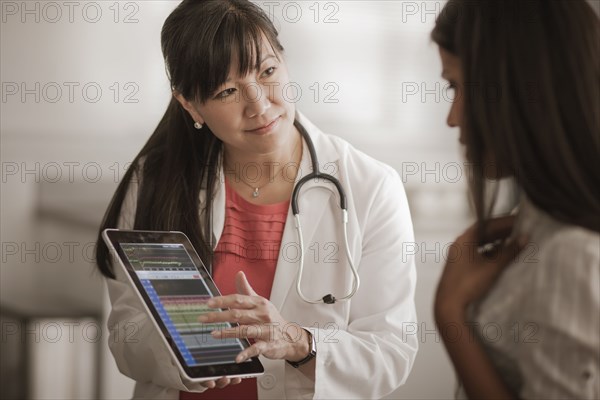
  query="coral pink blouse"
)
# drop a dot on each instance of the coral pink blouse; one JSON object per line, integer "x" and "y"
{"x": 250, "y": 242}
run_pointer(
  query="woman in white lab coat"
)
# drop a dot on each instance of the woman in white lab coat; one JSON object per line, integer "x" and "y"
{"x": 229, "y": 110}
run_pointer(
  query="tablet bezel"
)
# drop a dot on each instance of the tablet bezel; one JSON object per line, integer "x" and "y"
{"x": 113, "y": 238}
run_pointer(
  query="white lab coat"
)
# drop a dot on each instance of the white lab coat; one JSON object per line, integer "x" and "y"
{"x": 365, "y": 346}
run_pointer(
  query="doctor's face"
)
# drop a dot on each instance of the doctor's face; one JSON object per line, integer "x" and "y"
{"x": 250, "y": 114}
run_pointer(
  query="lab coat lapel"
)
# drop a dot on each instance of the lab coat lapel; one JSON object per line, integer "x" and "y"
{"x": 311, "y": 200}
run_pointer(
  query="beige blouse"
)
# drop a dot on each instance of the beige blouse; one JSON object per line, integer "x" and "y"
{"x": 540, "y": 323}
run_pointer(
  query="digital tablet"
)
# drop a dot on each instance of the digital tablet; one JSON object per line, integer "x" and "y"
{"x": 173, "y": 284}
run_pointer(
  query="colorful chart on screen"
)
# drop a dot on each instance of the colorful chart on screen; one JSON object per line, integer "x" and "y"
{"x": 171, "y": 280}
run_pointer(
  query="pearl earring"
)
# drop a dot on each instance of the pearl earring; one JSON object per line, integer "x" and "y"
{"x": 197, "y": 125}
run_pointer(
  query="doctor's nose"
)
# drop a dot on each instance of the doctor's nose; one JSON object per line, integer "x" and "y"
{"x": 257, "y": 101}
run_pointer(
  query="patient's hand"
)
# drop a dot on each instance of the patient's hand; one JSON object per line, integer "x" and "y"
{"x": 469, "y": 273}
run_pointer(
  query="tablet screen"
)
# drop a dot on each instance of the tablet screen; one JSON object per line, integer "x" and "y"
{"x": 179, "y": 294}
{"x": 172, "y": 281}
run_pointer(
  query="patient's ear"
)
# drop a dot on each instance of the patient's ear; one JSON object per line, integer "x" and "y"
{"x": 189, "y": 107}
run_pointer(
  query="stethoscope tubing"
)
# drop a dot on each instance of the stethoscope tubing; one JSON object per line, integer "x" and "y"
{"x": 316, "y": 174}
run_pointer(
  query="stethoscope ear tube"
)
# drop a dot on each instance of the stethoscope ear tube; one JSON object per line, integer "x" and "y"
{"x": 317, "y": 175}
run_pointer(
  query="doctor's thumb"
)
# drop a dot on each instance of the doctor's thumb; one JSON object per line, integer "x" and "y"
{"x": 242, "y": 285}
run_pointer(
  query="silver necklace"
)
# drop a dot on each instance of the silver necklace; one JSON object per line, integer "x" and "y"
{"x": 256, "y": 189}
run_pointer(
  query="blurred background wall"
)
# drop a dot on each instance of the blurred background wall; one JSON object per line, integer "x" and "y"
{"x": 83, "y": 86}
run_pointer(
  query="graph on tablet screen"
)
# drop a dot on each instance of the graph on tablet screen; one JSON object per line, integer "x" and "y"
{"x": 179, "y": 295}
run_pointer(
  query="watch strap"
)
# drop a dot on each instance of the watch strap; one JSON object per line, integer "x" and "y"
{"x": 312, "y": 353}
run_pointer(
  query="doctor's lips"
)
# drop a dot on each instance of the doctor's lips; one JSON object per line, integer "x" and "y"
{"x": 265, "y": 128}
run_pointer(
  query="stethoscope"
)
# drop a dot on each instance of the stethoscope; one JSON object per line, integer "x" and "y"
{"x": 317, "y": 174}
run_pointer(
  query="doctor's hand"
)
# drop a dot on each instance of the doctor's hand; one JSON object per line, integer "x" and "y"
{"x": 470, "y": 272}
{"x": 258, "y": 319}
{"x": 220, "y": 383}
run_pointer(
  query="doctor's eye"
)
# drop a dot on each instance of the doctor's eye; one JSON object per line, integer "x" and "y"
{"x": 269, "y": 71}
{"x": 225, "y": 93}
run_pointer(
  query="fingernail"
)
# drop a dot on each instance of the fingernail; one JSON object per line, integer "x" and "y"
{"x": 211, "y": 303}
{"x": 239, "y": 359}
{"x": 215, "y": 333}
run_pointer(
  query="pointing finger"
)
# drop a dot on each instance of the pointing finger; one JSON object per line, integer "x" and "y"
{"x": 241, "y": 332}
{"x": 253, "y": 351}
{"x": 231, "y": 301}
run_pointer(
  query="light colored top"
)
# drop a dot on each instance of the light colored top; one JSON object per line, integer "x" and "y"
{"x": 540, "y": 323}
{"x": 366, "y": 346}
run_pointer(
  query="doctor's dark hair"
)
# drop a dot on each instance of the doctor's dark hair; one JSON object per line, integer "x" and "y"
{"x": 531, "y": 72}
{"x": 199, "y": 39}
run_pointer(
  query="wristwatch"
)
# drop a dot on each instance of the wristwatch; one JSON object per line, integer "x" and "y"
{"x": 312, "y": 353}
